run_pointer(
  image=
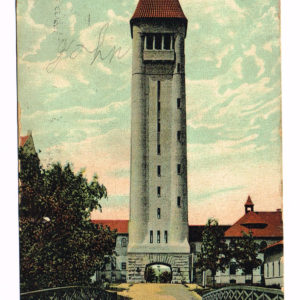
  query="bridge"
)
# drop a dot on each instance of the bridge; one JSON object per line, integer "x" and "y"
{"x": 244, "y": 293}
{"x": 72, "y": 292}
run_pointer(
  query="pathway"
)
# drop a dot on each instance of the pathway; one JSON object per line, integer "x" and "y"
{"x": 158, "y": 291}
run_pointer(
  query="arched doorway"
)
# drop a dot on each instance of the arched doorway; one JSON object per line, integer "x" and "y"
{"x": 158, "y": 273}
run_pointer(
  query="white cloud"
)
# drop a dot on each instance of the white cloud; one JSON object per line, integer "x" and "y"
{"x": 103, "y": 68}
{"x": 80, "y": 77}
{"x": 112, "y": 15}
{"x": 60, "y": 82}
{"x": 113, "y": 106}
{"x": 69, "y": 5}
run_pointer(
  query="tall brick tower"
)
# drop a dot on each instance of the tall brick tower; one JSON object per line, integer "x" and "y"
{"x": 158, "y": 227}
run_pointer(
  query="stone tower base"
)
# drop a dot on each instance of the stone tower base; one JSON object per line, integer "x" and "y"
{"x": 179, "y": 264}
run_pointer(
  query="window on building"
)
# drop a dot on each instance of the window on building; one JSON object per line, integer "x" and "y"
{"x": 123, "y": 265}
{"x": 151, "y": 236}
{"x": 158, "y": 213}
{"x": 149, "y": 42}
{"x": 279, "y": 268}
{"x": 158, "y": 191}
{"x": 158, "y": 90}
{"x": 178, "y": 103}
{"x": 267, "y": 270}
{"x": 167, "y": 41}
{"x": 158, "y": 149}
{"x": 232, "y": 268}
{"x": 178, "y": 201}
{"x": 158, "y": 126}
{"x": 166, "y": 236}
{"x": 158, "y": 107}
{"x": 178, "y": 136}
{"x": 273, "y": 269}
{"x": 158, "y": 39}
{"x": 123, "y": 242}
{"x": 158, "y": 236}
{"x": 178, "y": 68}
{"x": 179, "y": 169}
{"x": 158, "y": 171}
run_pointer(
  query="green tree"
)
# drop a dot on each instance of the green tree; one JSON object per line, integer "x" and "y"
{"x": 165, "y": 277}
{"x": 214, "y": 254}
{"x": 245, "y": 251}
{"x": 59, "y": 245}
{"x": 150, "y": 275}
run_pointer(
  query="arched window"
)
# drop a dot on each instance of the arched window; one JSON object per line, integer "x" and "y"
{"x": 123, "y": 242}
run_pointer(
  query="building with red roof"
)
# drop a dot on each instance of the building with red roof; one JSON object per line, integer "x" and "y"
{"x": 273, "y": 264}
{"x": 26, "y": 142}
{"x": 265, "y": 226}
{"x": 267, "y": 229}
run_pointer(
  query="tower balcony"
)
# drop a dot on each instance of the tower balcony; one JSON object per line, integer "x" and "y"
{"x": 159, "y": 55}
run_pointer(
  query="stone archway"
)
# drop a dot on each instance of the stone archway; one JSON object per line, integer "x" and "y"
{"x": 158, "y": 273}
{"x": 138, "y": 262}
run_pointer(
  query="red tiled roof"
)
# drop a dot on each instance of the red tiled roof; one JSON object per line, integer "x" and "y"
{"x": 252, "y": 218}
{"x": 249, "y": 201}
{"x": 23, "y": 140}
{"x": 273, "y": 228}
{"x": 274, "y": 245}
{"x": 120, "y": 225}
{"x": 158, "y": 9}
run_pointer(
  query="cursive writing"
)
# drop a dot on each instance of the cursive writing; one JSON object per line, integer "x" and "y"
{"x": 70, "y": 49}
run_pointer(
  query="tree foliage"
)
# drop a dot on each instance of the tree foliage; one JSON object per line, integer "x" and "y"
{"x": 165, "y": 277}
{"x": 245, "y": 251}
{"x": 59, "y": 245}
{"x": 150, "y": 274}
{"x": 214, "y": 255}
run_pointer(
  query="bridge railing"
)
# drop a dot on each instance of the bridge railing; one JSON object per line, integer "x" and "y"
{"x": 243, "y": 293}
{"x": 71, "y": 293}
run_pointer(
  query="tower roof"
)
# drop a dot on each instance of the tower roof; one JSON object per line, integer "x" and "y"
{"x": 158, "y": 9}
{"x": 249, "y": 201}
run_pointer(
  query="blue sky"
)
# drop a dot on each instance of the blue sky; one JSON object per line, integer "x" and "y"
{"x": 79, "y": 110}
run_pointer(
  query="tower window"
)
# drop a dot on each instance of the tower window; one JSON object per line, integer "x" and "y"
{"x": 178, "y": 136}
{"x": 178, "y": 201}
{"x": 167, "y": 41}
{"x": 158, "y": 90}
{"x": 178, "y": 103}
{"x": 158, "y": 149}
{"x": 149, "y": 42}
{"x": 151, "y": 236}
{"x": 123, "y": 242}
{"x": 158, "y": 236}
{"x": 158, "y": 171}
{"x": 158, "y": 213}
{"x": 158, "y": 126}
{"x": 279, "y": 268}
{"x": 158, "y": 191}
{"x": 179, "y": 169}
{"x": 158, "y": 106}
{"x": 166, "y": 236}
{"x": 178, "y": 68}
{"x": 123, "y": 265}
{"x": 158, "y": 39}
